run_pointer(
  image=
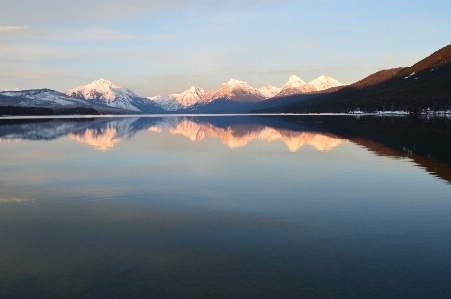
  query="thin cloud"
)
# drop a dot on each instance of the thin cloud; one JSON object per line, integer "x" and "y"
{"x": 101, "y": 11}
{"x": 102, "y": 34}
{"x": 92, "y": 34}
{"x": 105, "y": 34}
{"x": 14, "y": 200}
{"x": 12, "y": 28}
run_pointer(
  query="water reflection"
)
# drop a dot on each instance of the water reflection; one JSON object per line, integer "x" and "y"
{"x": 7, "y": 140}
{"x": 103, "y": 139}
{"x": 170, "y": 211}
{"x": 240, "y": 135}
{"x": 425, "y": 141}
{"x": 14, "y": 200}
{"x": 105, "y": 134}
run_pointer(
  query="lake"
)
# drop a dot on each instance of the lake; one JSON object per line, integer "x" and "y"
{"x": 225, "y": 207}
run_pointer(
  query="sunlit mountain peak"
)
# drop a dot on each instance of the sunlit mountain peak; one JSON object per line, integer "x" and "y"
{"x": 325, "y": 82}
{"x": 102, "y": 81}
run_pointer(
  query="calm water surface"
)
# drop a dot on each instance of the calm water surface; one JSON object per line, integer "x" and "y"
{"x": 225, "y": 207}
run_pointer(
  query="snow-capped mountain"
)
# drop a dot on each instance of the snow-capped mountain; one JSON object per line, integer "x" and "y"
{"x": 236, "y": 91}
{"x": 236, "y": 96}
{"x": 178, "y": 101}
{"x": 40, "y": 98}
{"x": 48, "y": 98}
{"x": 269, "y": 91}
{"x": 105, "y": 92}
{"x": 233, "y": 96}
{"x": 295, "y": 85}
{"x": 324, "y": 82}
{"x": 190, "y": 97}
{"x": 167, "y": 103}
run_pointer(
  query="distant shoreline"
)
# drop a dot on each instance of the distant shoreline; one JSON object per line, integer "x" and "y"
{"x": 219, "y": 115}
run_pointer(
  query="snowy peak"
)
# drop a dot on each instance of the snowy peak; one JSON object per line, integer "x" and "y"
{"x": 167, "y": 103}
{"x": 324, "y": 82}
{"x": 296, "y": 85}
{"x": 155, "y": 98}
{"x": 269, "y": 91}
{"x": 190, "y": 97}
{"x": 107, "y": 93}
{"x": 173, "y": 102}
{"x": 294, "y": 81}
{"x": 236, "y": 91}
{"x": 102, "y": 81}
{"x": 99, "y": 90}
{"x": 235, "y": 83}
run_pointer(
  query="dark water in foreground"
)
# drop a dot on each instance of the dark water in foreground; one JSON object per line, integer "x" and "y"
{"x": 225, "y": 207}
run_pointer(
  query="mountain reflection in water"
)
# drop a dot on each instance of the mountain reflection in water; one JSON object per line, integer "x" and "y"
{"x": 425, "y": 141}
{"x": 225, "y": 207}
{"x": 240, "y": 135}
{"x": 101, "y": 140}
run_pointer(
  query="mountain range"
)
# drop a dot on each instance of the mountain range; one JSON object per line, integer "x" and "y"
{"x": 106, "y": 97}
{"x": 424, "y": 85}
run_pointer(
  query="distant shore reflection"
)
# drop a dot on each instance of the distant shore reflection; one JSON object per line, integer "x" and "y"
{"x": 425, "y": 141}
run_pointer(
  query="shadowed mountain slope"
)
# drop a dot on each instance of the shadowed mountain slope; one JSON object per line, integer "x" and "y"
{"x": 51, "y": 102}
{"x": 426, "y": 84}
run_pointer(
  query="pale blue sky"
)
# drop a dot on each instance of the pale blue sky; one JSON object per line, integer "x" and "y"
{"x": 162, "y": 47}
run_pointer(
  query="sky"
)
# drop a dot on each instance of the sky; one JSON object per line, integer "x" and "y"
{"x": 164, "y": 47}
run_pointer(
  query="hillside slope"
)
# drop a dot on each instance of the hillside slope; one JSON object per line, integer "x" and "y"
{"x": 426, "y": 84}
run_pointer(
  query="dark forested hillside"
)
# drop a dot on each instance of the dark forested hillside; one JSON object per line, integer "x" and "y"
{"x": 17, "y": 110}
{"x": 426, "y": 84}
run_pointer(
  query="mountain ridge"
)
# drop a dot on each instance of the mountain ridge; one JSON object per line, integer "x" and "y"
{"x": 234, "y": 96}
{"x": 236, "y": 91}
{"x": 48, "y": 98}
{"x": 424, "y": 85}
{"x": 105, "y": 92}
